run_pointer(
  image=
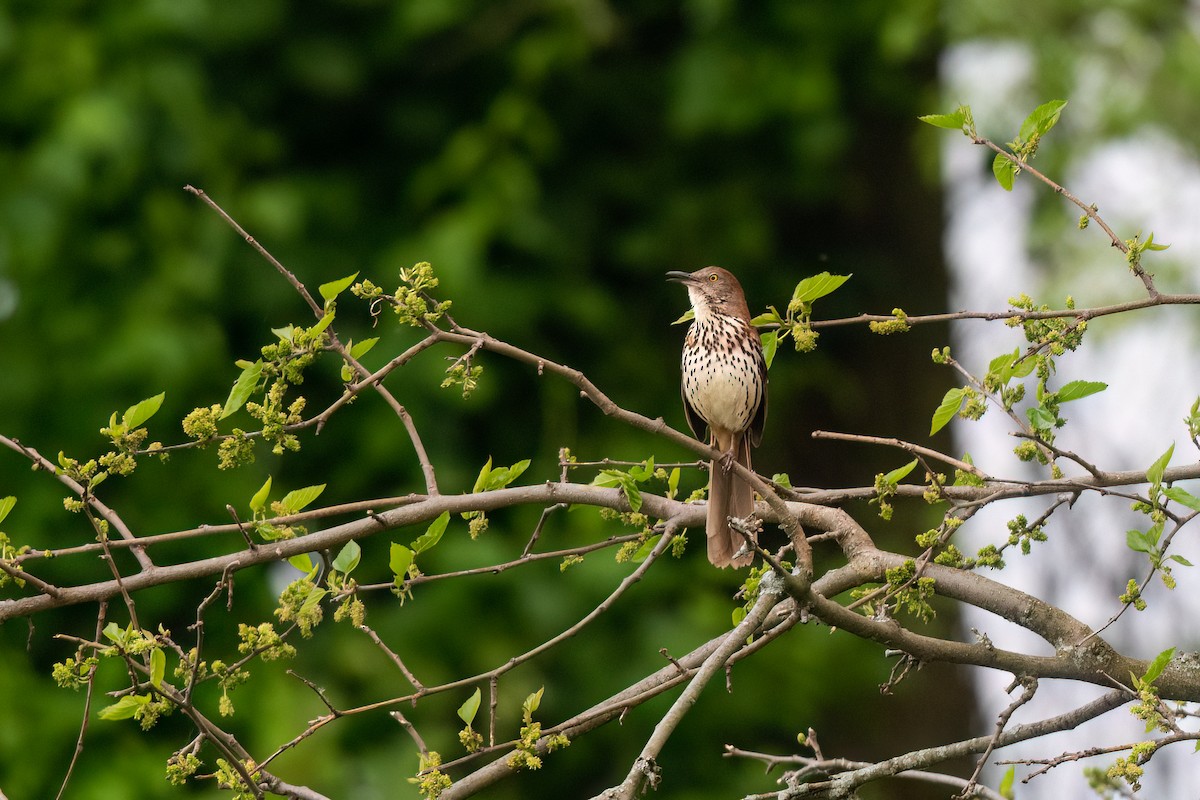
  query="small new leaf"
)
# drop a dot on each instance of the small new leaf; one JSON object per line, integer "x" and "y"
{"x": 259, "y": 501}
{"x": 1040, "y": 418}
{"x": 951, "y": 403}
{"x": 467, "y": 711}
{"x": 243, "y": 388}
{"x": 322, "y": 324}
{"x": 1043, "y": 118}
{"x": 1005, "y": 789}
{"x": 1150, "y": 244}
{"x": 158, "y": 667}
{"x": 1138, "y": 541}
{"x": 770, "y": 343}
{"x": 6, "y": 505}
{"x": 532, "y": 702}
{"x": 399, "y": 562}
{"x": 302, "y": 562}
{"x": 1005, "y": 170}
{"x": 360, "y": 349}
{"x": 331, "y": 290}
{"x": 502, "y": 476}
{"x": 432, "y": 534}
{"x": 1176, "y": 493}
{"x": 348, "y": 557}
{"x": 126, "y": 707}
{"x": 767, "y": 318}
{"x": 1078, "y": 389}
{"x": 135, "y": 416}
{"x": 952, "y": 122}
{"x": 900, "y": 473}
{"x": 816, "y": 286}
{"x": 481, "y": 480}
{"x": 1158, "y": 665}
{"x": 1154, "y": 475}
{"x": 296, "y": 500}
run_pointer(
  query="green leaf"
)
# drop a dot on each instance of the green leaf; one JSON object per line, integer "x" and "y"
{"x": 296, "y": 500}
{"x": 360, "y": 349}
{"x": 900, "y": 473}
{"x": 688, "y": 316}
{"x": 481, "y": 481}
{"x": 302, "y": 562}
{"x": 322, "y": 324}
{"x": 1005, "y": 789}
{"x": 951, "y": 403}
{"x": 633, "y": 494}
{"x": 1077, "y": 389}
{"x": 315, "y": 596}
{"x": 348, "y": 557}
{"x": 767, "y": 318}
{"x": 126, "y": 707}
{"x": 137, "y": 415}
{"x": 1005, "y": 171}
{"x": 287, "y": 334}
{"x": 6, "y": 505}
{"x": 953, "y": 122}
{"x": 1158, "y": 665}
{"x": 503, "y": 476}
{"x": 607, "y": 477}
{"x": 623, "y": 481}
{"x": 1043, "y": 118}
{"x": 467, "y": 711}
{"x": 1002, "y": 365}
{"x": 1138, "y": 542}
{"x": 331, "y": 290}
{"x": 739, "y": 614}
{"x": 1181, "y": 560}
{"x": 432, "y": 534}
{"x": 1176, "y": 493}
{"x": 672, "y": 483}
{"x": 817, "y": 286}
{"x": 1154, "y": 475}
{"x": 1022, "y": 368}
{"x": 642, "y": 472}
{"x": 1040, "y": 418}
{"x": 399, "y": 562}
{"x": 770, "y": 342}
{"x": 643, "y": 552}
{"x": 158, "y": 667}
{"x": 259, "y": 501}
{"x": 114, "y": 633}
{"x": 1150, "y": 245}
{"x": 243, "y": 388}
{"x": 532, "y": 702}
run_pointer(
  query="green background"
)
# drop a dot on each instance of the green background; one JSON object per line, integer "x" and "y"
{"x": 552, "y": 160}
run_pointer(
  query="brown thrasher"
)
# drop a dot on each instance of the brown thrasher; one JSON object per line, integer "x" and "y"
{"x": 725, "y": 389}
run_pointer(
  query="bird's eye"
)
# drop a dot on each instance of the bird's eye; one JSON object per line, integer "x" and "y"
{"x": 713, "y": 277}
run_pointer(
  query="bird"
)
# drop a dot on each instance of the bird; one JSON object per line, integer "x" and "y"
{"x": 724, "y": 388}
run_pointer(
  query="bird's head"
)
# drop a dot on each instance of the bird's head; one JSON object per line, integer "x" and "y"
{"x": 713, "y": 289}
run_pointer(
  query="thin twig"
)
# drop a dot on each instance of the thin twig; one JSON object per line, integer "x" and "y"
{"x": 87, "y": 705}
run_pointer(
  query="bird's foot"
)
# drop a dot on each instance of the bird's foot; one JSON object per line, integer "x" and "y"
{"x": 727, "y": 461}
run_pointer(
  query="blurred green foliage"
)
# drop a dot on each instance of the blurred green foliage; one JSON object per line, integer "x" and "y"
{"x": 552, "y": 160}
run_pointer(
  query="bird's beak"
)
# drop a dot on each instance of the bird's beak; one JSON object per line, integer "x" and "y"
{"x": 680, "y": 277}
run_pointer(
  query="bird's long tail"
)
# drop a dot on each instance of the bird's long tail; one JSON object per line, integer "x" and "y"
{"x": 728, "y": 496}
